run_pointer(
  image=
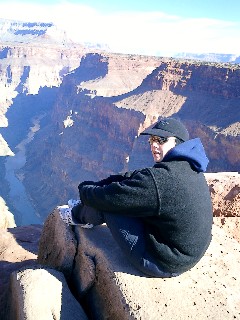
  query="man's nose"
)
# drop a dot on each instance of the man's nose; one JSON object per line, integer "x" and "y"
{"x": 155, "y": 145}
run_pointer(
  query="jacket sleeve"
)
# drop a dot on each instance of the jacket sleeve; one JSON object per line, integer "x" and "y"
{"x": 107, "y": 181}
{"x": 134, "y": 196}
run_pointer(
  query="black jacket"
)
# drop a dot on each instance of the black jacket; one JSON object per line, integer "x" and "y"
{"x": 172, "y": 199}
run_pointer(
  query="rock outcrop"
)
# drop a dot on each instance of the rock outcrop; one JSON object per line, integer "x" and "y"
{"x": 7, "y": 218}
{"x": 110, "y": 288}
{"x": 225, "y": 194}
{"x": 105, "y": 285}
{"x": 42, "y": 294}
{"x": 18, "y": 249}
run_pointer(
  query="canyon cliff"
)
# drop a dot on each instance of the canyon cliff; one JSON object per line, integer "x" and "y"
{"x": 92, "y": 106}
{"x": 89, "y": 133}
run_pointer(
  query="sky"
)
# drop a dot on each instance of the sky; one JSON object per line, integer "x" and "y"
{"x": 139, "y": 27}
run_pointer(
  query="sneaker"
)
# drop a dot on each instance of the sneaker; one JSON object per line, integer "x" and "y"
{"x": 66, "y": 215}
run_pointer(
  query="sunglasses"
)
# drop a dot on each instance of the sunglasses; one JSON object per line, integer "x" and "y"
{"x": 160, "y": 140}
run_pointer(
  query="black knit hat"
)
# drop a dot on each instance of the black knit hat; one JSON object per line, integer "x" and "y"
{"x": 168, "y": 127}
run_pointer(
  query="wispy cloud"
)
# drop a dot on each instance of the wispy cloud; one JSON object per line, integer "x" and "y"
{"x": 150, "y": 33}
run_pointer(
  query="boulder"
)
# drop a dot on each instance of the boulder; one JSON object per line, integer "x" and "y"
{"x": 110, "y": 288}
{"x": 57, "y": 245}
{"x": 225, "y": 194}
{"x": 42, "y": 294}
{"x": 18, "y": 249}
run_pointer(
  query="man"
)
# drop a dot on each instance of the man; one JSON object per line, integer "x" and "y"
{"x": 161, "y": 217}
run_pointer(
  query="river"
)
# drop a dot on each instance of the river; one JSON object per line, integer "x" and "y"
{"x": 25, "y": 212}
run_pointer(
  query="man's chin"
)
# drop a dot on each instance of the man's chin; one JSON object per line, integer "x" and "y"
{"x": 157, "y": 159}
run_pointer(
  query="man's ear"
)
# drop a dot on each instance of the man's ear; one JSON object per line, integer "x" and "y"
{"x": 177, "y": 141}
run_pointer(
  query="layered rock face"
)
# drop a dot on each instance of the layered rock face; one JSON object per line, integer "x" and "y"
{"x": 33, "y": 55}
{"x": 91, "y": 136}
{"x": 91, "y": 121}
{"x": 76, "y": 107}
{"x": 225, "y": 194}
{"x": 25, "y": 69}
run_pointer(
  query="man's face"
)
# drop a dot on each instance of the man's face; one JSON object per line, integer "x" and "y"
{"x": 160, "y": 146}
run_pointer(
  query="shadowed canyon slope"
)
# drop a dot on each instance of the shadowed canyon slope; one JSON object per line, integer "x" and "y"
{"x": 91, "y": 116}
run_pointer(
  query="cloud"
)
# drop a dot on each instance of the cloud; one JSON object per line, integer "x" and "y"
{"x": 150, "y": 33}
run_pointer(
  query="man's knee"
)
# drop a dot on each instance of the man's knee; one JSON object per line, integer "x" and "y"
{"x": 86, "y": 214}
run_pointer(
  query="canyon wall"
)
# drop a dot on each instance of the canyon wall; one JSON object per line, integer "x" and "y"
{"x": 26, "y": 68}
{"x": 89, "y": 135}
{"x": 94, "y": 105}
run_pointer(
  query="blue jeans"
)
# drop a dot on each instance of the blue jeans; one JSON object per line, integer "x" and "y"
{"x": 129, "y": 233}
